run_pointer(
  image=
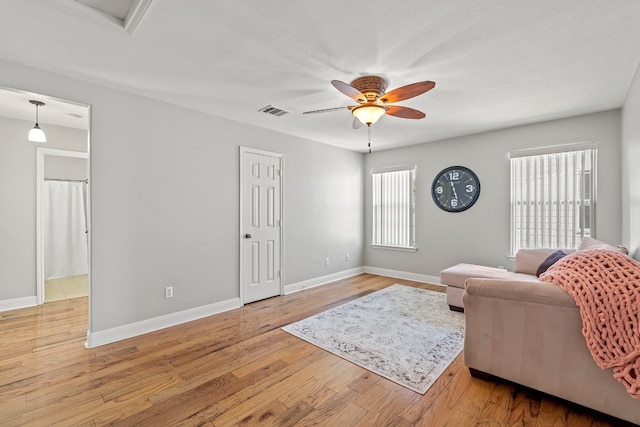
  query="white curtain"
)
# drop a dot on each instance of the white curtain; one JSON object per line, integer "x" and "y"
{"x": 65, "y": 238}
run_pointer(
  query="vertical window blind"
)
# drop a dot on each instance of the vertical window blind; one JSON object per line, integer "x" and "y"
{"x": 394, "y": 207}
{"x": 553, "y": 196}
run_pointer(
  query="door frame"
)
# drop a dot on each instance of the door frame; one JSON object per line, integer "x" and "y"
{"x": 243, "y": 151}
{"x": 41, "y": 152}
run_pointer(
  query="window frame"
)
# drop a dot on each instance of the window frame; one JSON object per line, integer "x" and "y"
{"x": 409, "y": 201}
{"x": 551, "y": 203}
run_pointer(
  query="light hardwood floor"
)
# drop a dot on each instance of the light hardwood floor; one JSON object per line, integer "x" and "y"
{"x": 66, "y": 288}
{"x": 237, "y": 368}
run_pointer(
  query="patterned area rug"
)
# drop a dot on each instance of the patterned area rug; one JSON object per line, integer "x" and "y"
{"x": 405, "y": 334}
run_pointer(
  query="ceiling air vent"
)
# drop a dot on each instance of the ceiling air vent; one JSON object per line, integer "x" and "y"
{"x": 269, "y": 109}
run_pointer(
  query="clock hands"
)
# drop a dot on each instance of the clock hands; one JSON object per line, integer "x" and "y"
{"x": 453, "y": 187}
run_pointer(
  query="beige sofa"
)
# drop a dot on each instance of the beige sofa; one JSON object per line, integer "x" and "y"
{"x": 530, "y": 332}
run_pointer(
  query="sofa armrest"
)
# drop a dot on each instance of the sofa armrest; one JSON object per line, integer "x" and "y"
{"x": 524, "y": 291}
{"x": 531, "y": 333}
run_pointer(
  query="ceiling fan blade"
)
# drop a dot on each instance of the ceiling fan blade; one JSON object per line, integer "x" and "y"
{"x": 324, "y": 110}
{"x": 349, "y": 90}
{"x": 405, "y": 112}
{"x": 406, "y": 92}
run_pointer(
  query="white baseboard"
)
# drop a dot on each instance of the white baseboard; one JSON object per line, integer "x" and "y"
{"x": 322, "y": 280}
{"x": 95, "y": 339}
{"x": 422, "y": 278}
{"x": 13, "y": 304}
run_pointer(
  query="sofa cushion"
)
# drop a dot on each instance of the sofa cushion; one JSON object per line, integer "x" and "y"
{"x": 457, "y": 275}
{"x": 528, "y": 260}
{"x": 549, "y": 261}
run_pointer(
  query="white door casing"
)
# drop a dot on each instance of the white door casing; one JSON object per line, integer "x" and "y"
{"x": 260, "y": 224}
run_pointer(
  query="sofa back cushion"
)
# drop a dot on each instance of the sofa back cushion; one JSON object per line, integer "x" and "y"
{"x": 528, "y": 260}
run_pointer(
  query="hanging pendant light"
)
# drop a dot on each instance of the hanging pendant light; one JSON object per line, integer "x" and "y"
{"x": 36, "y": 134}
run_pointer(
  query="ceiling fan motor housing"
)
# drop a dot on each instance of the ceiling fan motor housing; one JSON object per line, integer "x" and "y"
{"x": 372, "y": 87}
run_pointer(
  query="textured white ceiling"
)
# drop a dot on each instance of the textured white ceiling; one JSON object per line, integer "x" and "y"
{"x": 496, "y": 63}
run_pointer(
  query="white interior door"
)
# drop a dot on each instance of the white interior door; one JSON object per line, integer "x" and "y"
{"x": 260, "y": 225}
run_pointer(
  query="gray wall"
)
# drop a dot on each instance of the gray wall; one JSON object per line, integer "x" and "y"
{"x": 165, "y": 201}
{"x": 74, "y": 168}
{"x": 481, "y": 234}
{"x": 631, "y": 167}
{"x": 18, "y": 196}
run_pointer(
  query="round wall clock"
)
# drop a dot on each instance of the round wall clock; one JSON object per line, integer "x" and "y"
{"x": 455, "y": 189}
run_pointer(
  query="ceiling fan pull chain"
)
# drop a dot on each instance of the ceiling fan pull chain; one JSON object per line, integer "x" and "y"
{"x": 369, "y": 129}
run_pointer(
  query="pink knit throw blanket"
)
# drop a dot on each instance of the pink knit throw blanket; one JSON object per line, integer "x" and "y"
{"x": 606, "y": 286}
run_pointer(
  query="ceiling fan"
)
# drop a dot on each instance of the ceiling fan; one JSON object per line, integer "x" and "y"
{"x": 370, "y": 93}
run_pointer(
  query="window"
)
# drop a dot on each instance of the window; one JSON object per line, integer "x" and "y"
{"x": 553, "y": 196}
{"x": 394, "y": 207}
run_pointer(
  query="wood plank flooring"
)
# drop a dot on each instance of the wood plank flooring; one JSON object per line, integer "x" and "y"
{"x": 237, "y": 369}
{"x": 66, "y": 288}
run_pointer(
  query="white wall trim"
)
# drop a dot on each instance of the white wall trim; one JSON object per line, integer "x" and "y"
{"x": 422, "y": 278}
{"x": 119, "y": 333}
{"x": 137, "y": 11}
{"x": 95, "y": 339}
{"x": 322, "y": 280}
{"x": 13, "y": 304}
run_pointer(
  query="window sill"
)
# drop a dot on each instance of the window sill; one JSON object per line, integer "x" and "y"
{"x": 395, "y": 248}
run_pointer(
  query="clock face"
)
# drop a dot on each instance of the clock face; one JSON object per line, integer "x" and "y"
{"x": 455, "y": 189}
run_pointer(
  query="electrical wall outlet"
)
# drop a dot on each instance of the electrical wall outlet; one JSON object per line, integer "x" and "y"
{"x": 348, "y": 257}
{"x": 168, "y": 292}
{"x": 326, "y": 262}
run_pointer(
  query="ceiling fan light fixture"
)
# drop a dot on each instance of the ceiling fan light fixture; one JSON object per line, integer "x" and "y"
{"x": 36, "y": 134}
{"x": 369, "y": 114}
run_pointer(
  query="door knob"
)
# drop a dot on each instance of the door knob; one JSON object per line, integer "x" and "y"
{"x": 247, "y": 236}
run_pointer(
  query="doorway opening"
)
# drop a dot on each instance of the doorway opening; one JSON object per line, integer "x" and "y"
{"x": 63, "y": 226}
{"x": 66, "y": 125}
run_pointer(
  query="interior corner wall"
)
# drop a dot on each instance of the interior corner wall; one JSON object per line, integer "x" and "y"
{"x": 18, "y": 206}
{"x": 481, "y": 234}
{"x": 165, "y": 201}
{"x": 630, "y": 169}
